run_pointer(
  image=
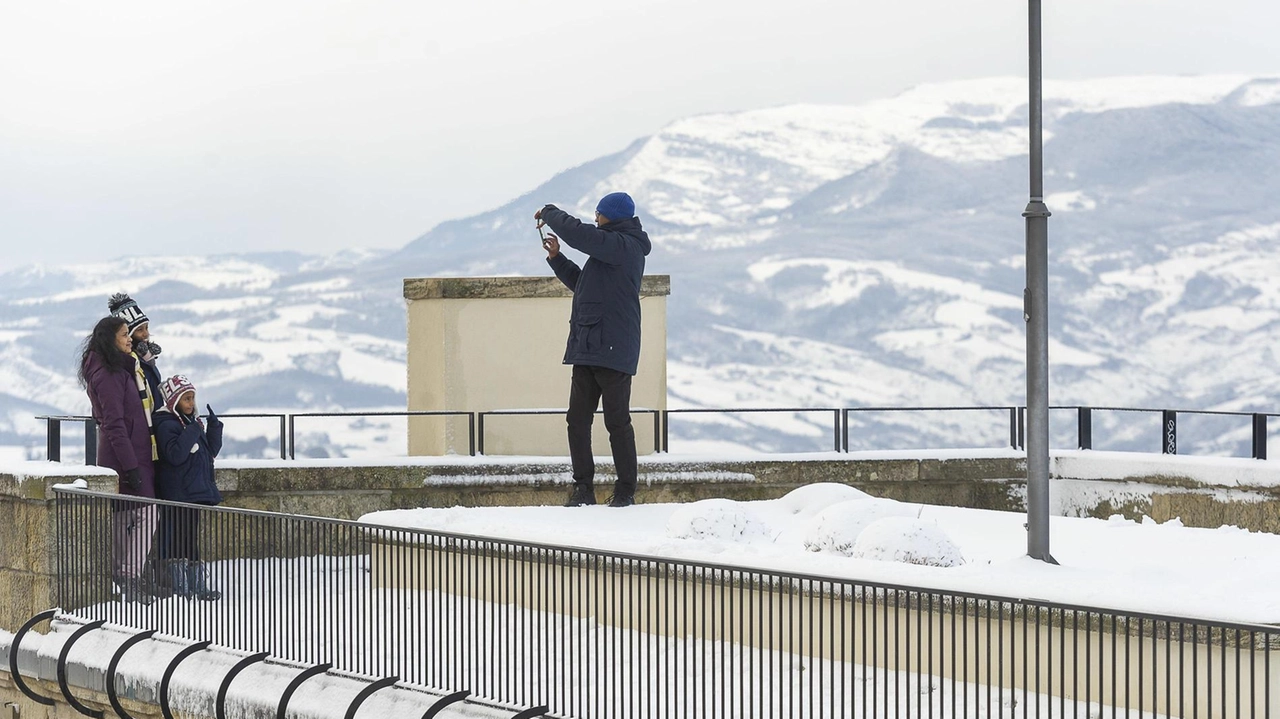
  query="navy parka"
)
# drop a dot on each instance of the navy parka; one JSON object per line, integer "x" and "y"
{"x": 604, "y": 327}
{"x": 184, "y": 474}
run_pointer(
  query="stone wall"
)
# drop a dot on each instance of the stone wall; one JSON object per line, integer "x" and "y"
{"x": 326, "y": 488}
{"x": 28, "y": 540}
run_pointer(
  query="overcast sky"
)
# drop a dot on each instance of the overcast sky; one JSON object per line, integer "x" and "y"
{"x": 139, "y": 127}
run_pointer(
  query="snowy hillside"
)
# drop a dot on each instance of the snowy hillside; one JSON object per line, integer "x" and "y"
{"x": 820, "y": 256}
{"x": 256, "y": 334}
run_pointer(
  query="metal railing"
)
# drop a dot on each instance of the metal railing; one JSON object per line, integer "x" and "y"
{"x": 591, "y": 633}
{"x": 53, "y": 433}
{"x": 658, "y": 416}
{"x": 471, "y": 424}
{"x": 476, "y": 423}
{"x": 1169, "y": 425}
{"x": 53, "y": 437}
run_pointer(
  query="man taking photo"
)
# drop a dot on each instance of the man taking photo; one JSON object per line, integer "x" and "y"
{"x": 604, "y": 334}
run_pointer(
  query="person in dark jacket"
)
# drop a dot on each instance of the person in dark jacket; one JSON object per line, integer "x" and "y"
{"x": 126, "y": 308}
{"x": 604, "y": 334}
{"x": 184, "y": 473}
{"x": 110, "y": 374}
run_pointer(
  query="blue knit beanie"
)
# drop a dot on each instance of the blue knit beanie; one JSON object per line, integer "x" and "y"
{"x": 617, "y": 206}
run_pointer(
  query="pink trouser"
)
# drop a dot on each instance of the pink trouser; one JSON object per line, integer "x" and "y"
{"x": 131, "y": 534}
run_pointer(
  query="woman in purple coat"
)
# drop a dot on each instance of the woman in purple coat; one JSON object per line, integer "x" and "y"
{"x": 119, "y": 395}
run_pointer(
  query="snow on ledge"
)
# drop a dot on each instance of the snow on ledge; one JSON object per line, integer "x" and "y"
{"x": 1210, "y": 471}
{"x": 35, "y": 469}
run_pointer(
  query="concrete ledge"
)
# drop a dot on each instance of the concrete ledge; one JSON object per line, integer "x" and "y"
{"x": 467, "y": 288}
{"x": 332, "y": 488}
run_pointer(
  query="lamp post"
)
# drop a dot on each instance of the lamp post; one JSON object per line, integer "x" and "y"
{"x": 1036, "y": 313}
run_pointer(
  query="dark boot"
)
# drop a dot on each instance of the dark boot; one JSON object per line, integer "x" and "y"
{"x": 622, "y": 498}
{"x": 582, "y": 495}
{"x": 130, "y": 590}
{"x": 155, "y": 579}
{"x": 176, "y": 570}
{"x": 198, "y": 583}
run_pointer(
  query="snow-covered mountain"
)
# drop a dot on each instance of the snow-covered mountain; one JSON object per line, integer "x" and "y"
{"x": 820, "y": 256}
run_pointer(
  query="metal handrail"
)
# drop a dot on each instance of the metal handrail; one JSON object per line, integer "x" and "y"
{"x": 471, "y": 422}
{"x": 659, "y": 420}
{"x": 661, "y": 423}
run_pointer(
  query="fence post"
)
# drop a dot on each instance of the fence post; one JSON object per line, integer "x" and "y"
{"x": 53, "y": 439}
{"x": 471, "y": 433}
{"x": 1022, "y": 428}
{"x": 292, "y": 448}
{"x": 1169, "y": 432}
{"x": 1013, "y": 427}
{"x": 837, "y": 430}
{"x": 657, "y": 431}
{"x": 666, "y": 429}
{"x": 284, "y": 442}
{"x": 844, "y": 422}
{"x": 1084, "y": 427}
{"x": 91, "y": 441}
{"x": 1259, "y": 436}
{"x": 480, "y": 433}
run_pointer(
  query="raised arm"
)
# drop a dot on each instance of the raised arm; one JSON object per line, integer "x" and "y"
{"x": 566, "y": 270}
{"x": 583, "y": 237}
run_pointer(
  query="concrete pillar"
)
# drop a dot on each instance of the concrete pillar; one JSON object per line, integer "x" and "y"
{"x": 497, "y": 343}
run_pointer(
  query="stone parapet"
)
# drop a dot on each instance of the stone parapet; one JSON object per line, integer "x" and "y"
{"x": 28, "y": 539}
{"x": 496, "y": 288}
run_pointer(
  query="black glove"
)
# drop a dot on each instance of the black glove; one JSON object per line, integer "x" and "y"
{"x": 213, "y": 418}
{"x": 146, "y": 349}
{"x": 132, "y": 479}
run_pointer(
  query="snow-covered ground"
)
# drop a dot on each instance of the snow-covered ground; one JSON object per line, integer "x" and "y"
{"x": 833, "y": 530}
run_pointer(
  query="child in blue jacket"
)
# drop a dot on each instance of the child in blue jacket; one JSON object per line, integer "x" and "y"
{"x": 184, "y": 473}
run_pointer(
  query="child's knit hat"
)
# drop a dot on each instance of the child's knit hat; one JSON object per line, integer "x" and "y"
{"x": 173, "y": 389}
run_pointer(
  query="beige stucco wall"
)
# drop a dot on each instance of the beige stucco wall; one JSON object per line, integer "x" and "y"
{"x": 486, "y": 343}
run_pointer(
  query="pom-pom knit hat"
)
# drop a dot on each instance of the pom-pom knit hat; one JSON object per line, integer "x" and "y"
{"x": 123, "y": 306}
{"x": 173, "y": 389}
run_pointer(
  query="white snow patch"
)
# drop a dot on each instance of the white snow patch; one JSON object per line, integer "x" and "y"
{"x": 1261, "y": 92}
{"x": 722, "y": 519}
{"x": 813, "y": 499}
{"x": 836, "y": 529}
{"x": 909, "y": 541}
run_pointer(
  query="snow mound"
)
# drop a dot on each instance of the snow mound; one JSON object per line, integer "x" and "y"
{"x": 813, "y": 498}
{"x": 837, "y": 526}
{"x": 722, "y": 519}
{"x": 908, "y": 540}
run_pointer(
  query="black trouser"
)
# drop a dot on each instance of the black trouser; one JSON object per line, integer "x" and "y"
{"x": 590, "y": 385}
{"x": 180, "y": 527}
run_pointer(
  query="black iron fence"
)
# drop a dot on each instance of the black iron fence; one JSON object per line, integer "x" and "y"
{"x": 585, "y": 633}
{"x": 1013, "y": 416}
